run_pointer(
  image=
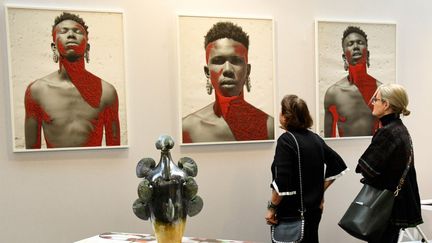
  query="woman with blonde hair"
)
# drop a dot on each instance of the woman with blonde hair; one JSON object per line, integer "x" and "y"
{"x": 387, "y": 157}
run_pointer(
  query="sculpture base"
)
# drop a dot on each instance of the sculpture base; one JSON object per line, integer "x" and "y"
{"x": 169, "y": 232}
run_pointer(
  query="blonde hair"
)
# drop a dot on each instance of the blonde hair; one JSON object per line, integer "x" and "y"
{"x": 396, "y": 96}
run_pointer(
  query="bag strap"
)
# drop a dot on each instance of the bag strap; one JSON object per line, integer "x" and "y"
{"x": 300, "y": 176}
{"x": 402, "y": 179}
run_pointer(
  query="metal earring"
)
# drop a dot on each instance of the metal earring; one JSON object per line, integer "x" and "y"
{"x": 55, "y": 57}
{"x": 209, "y": 87}
{"x": 87, "y": 56}
{"x": 248, "y": 85}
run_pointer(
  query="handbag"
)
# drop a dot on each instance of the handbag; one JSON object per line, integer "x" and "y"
{"x": 369, "y": 213}
{"x": 288, "y": 230}
{"x": 291, "y": 230}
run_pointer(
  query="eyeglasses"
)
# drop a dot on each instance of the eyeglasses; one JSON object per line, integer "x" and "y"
{"x": 375, "y": 99}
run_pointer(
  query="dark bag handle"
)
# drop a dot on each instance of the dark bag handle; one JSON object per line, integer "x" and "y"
{"x": 300, "y": 176}
{"x": 402, "y": 179}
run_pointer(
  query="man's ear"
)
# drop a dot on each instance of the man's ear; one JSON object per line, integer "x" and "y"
{"x": 206, "y": 71}
{"x": 248, "y": 69}
{"x": 345, "y": 61}
{"x": 88, "y": 47}
{"x": 53, "y": 47}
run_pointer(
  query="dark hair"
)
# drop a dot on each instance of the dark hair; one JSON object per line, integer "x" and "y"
{"x": 353, "y": 29}
{"x": 229, "y": 30}
{"x": 296, "y": 113}
{"x": 69, "y": 16}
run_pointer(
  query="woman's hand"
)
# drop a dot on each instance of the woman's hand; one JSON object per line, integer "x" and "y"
{"x": 271, "y": 217}
{"x": 271, "y": 208}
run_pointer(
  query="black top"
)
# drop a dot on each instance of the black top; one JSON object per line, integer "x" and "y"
{"x": 314, "y": 153}
{"x": 383, "y": 163}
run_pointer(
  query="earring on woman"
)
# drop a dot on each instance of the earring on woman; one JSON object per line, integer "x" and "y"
{"x": 209, "y": 87}
{"x": 248, "y": 84}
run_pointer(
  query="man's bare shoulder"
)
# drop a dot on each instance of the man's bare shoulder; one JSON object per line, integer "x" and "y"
{"x": 337, "y": 86}
{"x": 45, "y": 80}
{"x": 107, "y": 86}
{"x": 342, "y": 83}
{"x": 194, "y": 118}
{"x": 109, "y": 93}
{"x": 41, "y": 84}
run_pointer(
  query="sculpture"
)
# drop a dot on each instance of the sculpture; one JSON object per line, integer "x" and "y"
{"x": 167, "y": 193}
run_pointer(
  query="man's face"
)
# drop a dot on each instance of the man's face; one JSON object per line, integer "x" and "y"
{"x": 70, "y": 39}
{"x": 355, "y": 48}
{"x": 227, "y": 66}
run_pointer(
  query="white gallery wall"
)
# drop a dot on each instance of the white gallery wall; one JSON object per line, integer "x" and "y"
{"x": 65, "y": 196}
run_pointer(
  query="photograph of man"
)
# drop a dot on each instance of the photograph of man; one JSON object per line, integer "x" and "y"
{"x": 347, "y": 107}
{"x": 71, "y": 106}
{"x": 227, "y": 70}
{"x": 347, "y": 102}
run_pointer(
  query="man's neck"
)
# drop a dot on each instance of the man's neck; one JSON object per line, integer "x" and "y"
{"x": 222, "y": 103}
{"x": 365, "y": 83}
{"x": 245, "y": 121}
{"x": 77, "y": 64}
{"x": 357, "y": 72}
{"x": 89, "y": 85}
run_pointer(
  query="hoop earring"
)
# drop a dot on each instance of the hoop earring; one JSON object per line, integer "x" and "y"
{"x": 209, "y": 87}
{"x": 55, "y": 57}
{"x": 248, "y": 85}
{"x": 87, "y": 56}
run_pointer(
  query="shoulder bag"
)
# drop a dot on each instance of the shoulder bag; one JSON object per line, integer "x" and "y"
{"x": 291, "y": 230}
{"x": 369, "y": 213}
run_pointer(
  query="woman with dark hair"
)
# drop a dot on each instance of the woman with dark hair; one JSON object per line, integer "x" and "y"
{"x": 387, "y": 157}
{"x": 320, "y": 166}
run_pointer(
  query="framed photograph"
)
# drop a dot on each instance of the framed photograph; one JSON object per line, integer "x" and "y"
{"x": 67, "y": 79}
{"x": 352, "y": 60}
{"x": 226, "y": 75}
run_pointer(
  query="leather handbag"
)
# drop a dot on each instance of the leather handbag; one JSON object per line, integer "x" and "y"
{"x": 369, "y": 213}
{"x": 291, "y": 230}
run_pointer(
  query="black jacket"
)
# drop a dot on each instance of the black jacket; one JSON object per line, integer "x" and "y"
{"x": 382, "y": 166}
{"x": 318, "y": 163}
